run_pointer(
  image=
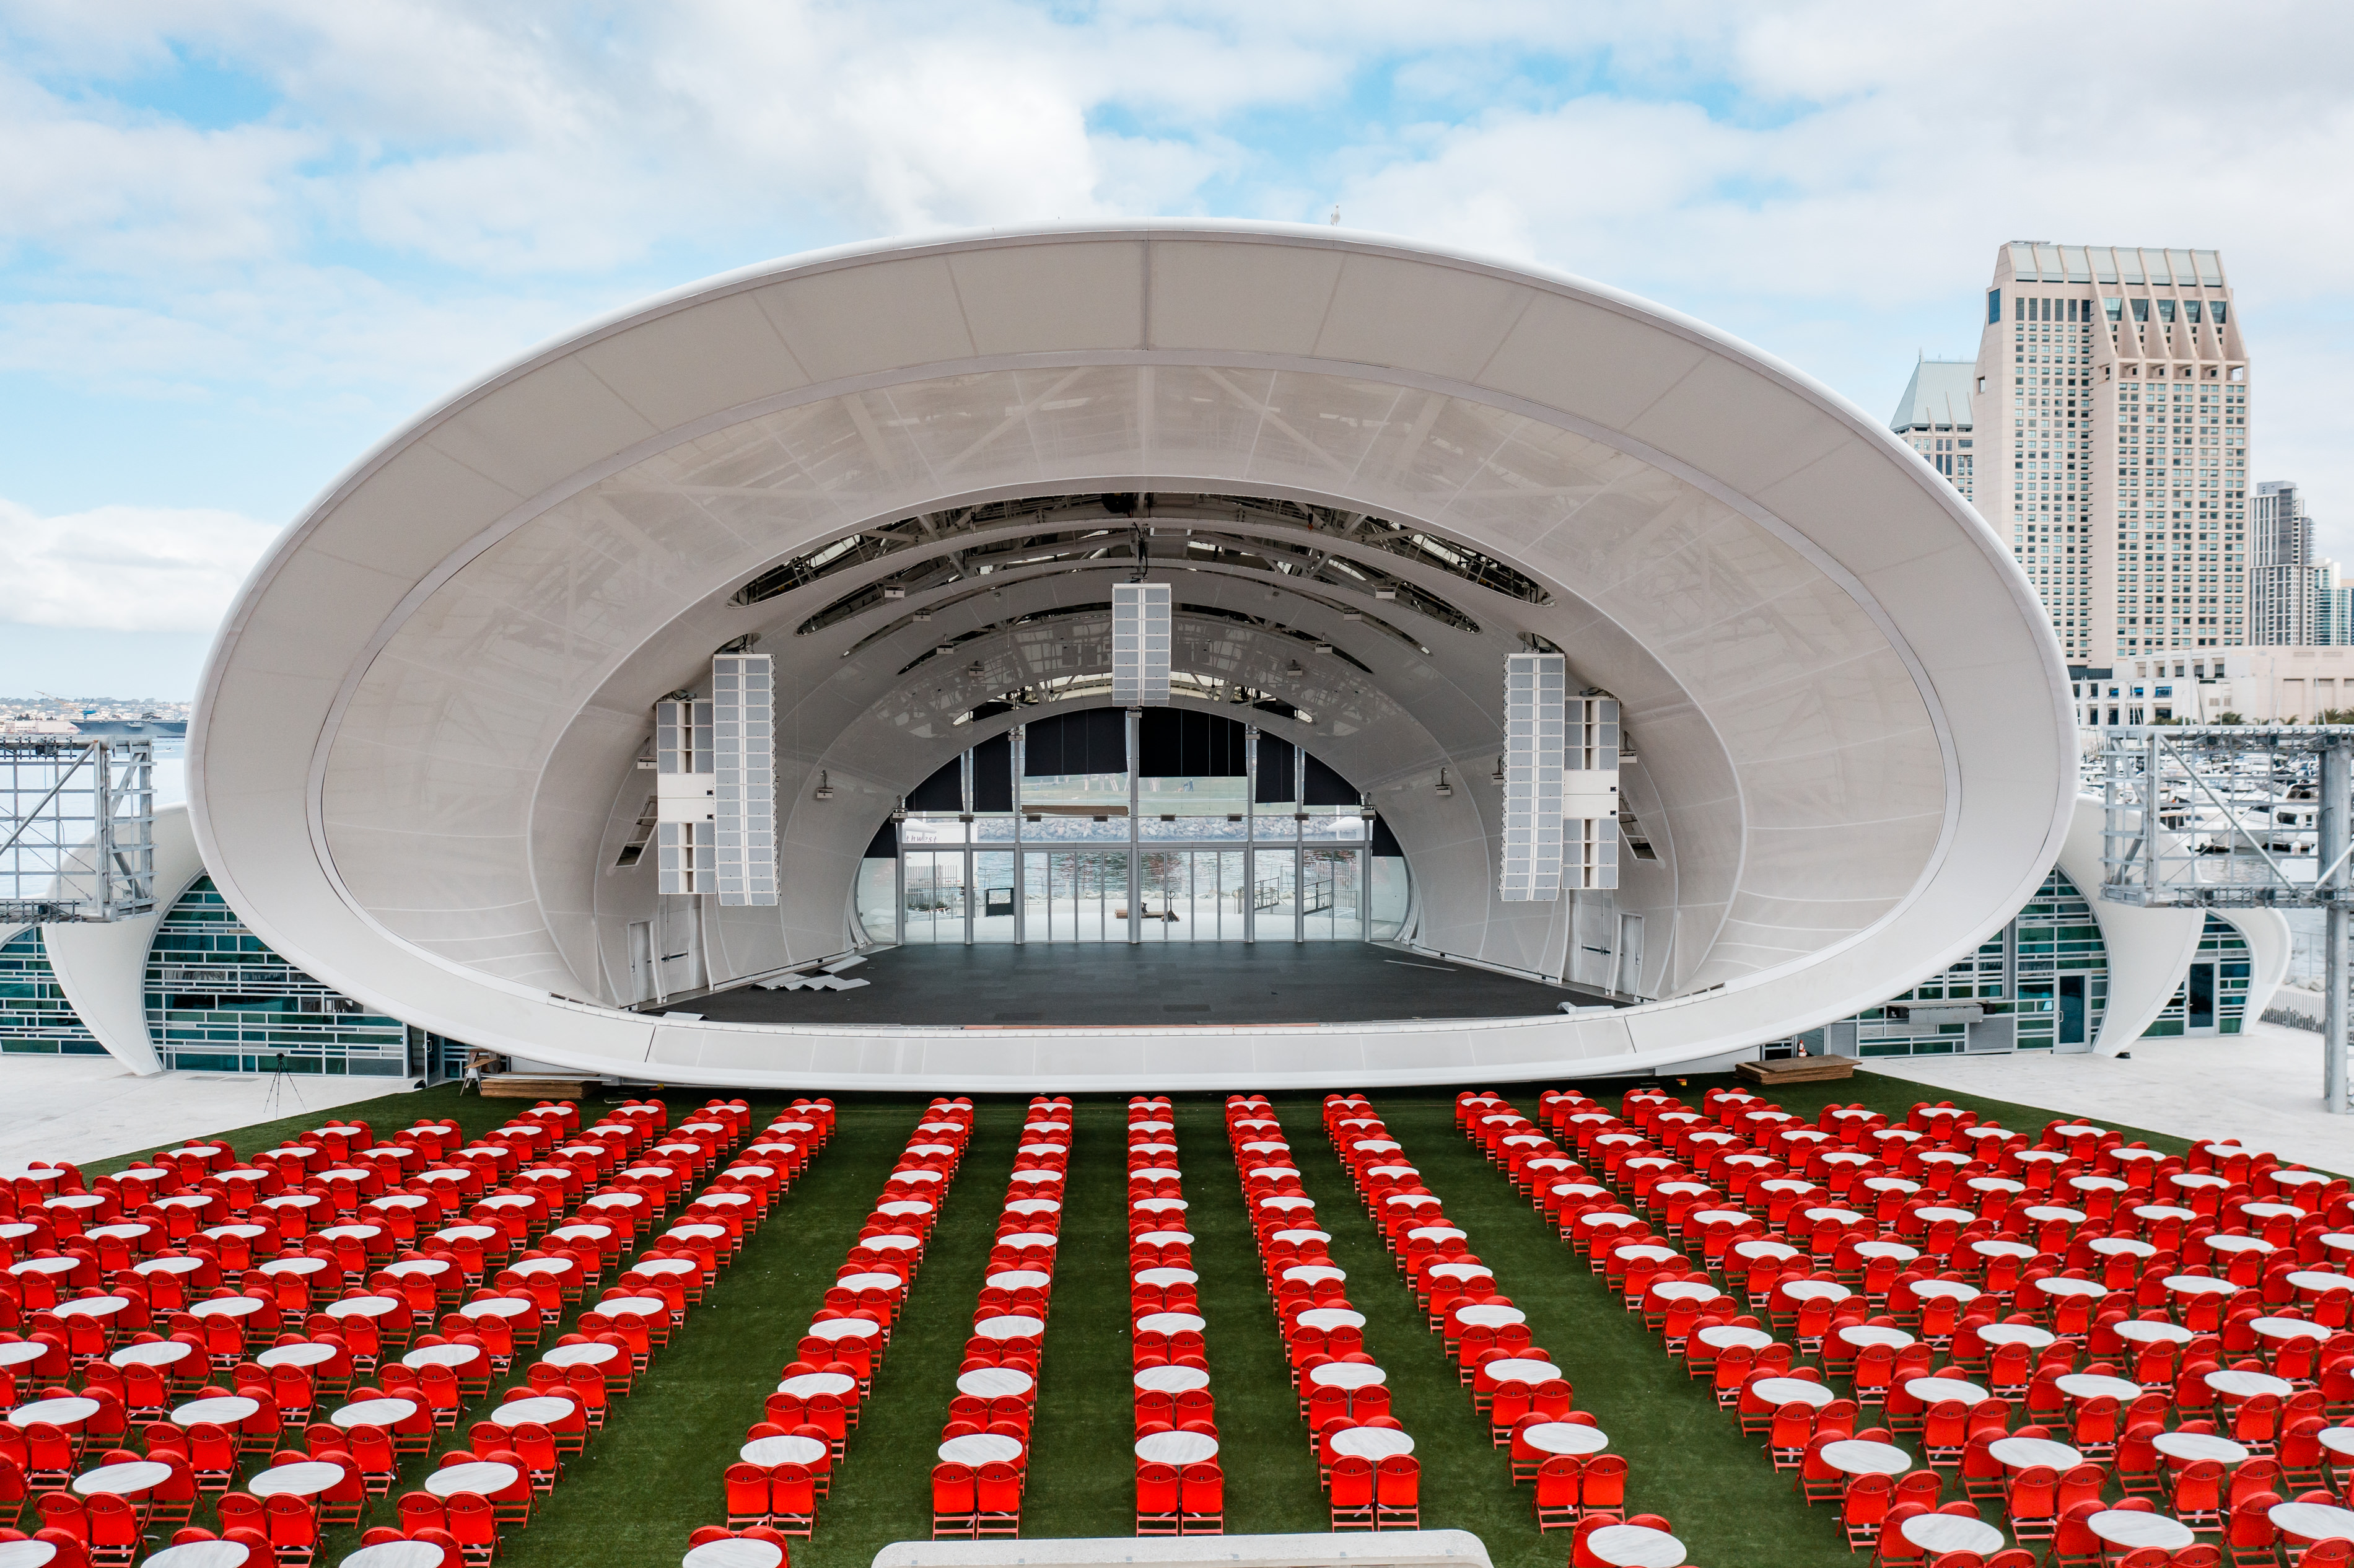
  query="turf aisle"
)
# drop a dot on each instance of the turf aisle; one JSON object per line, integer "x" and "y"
{"x": 1081, "y": 1443}
{"x": 882, "y": 1490}
{"x": 653, "y": 1475}
{"x": 1684, "y": 1459}
{"x": 1271, "y": 1484}
{"x": 1465, "y": 1484}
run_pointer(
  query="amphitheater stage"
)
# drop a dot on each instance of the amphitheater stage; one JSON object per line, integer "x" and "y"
{"x": 1202, "y": 983}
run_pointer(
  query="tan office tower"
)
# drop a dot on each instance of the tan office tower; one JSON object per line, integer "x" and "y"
{"x": 2112, "y": 412}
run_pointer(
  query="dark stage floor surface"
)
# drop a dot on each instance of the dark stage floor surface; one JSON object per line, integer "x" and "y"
{"x": 1229, "y": 983}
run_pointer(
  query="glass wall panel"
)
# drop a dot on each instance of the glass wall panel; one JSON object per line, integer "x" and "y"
{"x": 1332, "y": 896}
{"x": 1074, "y": 894}
{"x": 879, "y": 899}
{"x": 1194, "y": 896}
{"x": 934, "y": 911}
{"x": 1275, "y": 893}
{"x": 1388, "y": 897}
{"x": 993, "y": 895}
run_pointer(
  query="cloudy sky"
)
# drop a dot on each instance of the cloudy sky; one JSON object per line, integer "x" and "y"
{"x": 242, "y": 240}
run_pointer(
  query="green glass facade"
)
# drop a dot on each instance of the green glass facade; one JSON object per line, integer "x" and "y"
{"x": 2048, "y": 971}
{"x": 2222, "y": 991}
{"x": 35, "y": 1019}
{"x": 219, "y": 1001}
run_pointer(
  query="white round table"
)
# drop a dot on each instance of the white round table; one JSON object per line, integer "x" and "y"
{"x": 989, "y": 1383}
{"x": 787, "y": 1450}
{"x": 2191, "y": 1445}
{"x": 229, "y": 1307}
{"x": 1485, "y": 1314}
{"x": 845, "y": 1329}
{"x": 2027, "y": 1334}
{"x": 2288, "y": 1328}
{"x": 442, "y": 1356}
{"x": 2133, "y": 1530}
{"x": 1937, "y": 1389}
{"x": 161, "y": 1353}
{"x": 363, "y": 1306}
{"x": 374, "y": 1413}
{"x": 1323, "y": 1319}
{"x": 2199, "y": 1285}
{"x": 1162, "y": 1278}
{"x": 305, "y": 1354}
{"x": 1025, "y": 1241}
{"x": 1570, "y": 1437}
{"x": 233, "y": 1554}
{"x": 824, "y": 1385}
{"x": 588, "y": 1353}
{"x": 2315, "y": 1521}
{"x": 1797, "y": 1390}
{"x": 1997, "y": 1248}
{"x": 21, "y": 1353}
{"x": 1375, "y": 1443}
{"x": 1018, "y": 1279}
{"x": 91, "y": 1306}
{"x": 1012, "y": 1326}
{"x": 2020, "y": 1453}
{"x": 306, "y": 1479}
{"x": 1733, "y": 1336}
{"x": 1519, "y": 1369}
{"x": 37, "y": 1553}
{"x": 2248, "y": 1384}
{"x": 65, "y": 1409}
{"x": 2058, "y": 1287}
{"x": 1683, "y": 1290}
{"x": 870, "y": 1279}
{"x": 1945, "y": 1290}
{"x": 547, "y": 1409}
{"x": 736, "y": 1552}
{"x": 1941, "y": 1532}
{"x": 1348, "y": 1375}
{"x": 1171, "y": 1380}
{"x": 304, "y": 1265}
{"x": 994, "y": 1447}
{"x": 2321, "y": 1280}
{"x": 122, "y": 1480}
{"x": 1856, "y": 1458}
{"x": 485, "y": 1477}
{"x": 1815, "y": 1291}
{"x": 2127, "y": 1246}
{"x": 2090, "y": 1385}
{"x": 2150, "y": 1332}
{"x": 1636, "y": 1546}
{"x": 1194, "y": 1323}
{"x": 497, "y": 1307}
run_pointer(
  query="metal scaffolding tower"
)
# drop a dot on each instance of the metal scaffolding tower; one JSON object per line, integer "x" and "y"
{"x": 77, "y": 829}
{"x": 2225, "y": 816}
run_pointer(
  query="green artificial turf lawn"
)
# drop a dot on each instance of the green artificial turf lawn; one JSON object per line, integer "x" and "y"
{"x": 653, "y": 1473}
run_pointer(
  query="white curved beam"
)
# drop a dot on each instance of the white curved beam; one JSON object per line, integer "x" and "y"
{"x": 416, "y": 719}
{"x": 2266, "y": 932}
{"x": 102, "y": 966}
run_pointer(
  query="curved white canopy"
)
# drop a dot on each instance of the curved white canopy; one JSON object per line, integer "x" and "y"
{"x": 415, "y": 749}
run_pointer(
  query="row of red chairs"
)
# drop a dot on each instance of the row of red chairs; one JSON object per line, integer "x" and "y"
{"x": 1171, "y": 1498}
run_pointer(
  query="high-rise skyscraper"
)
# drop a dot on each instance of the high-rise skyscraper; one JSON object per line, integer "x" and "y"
{"x": 2331, "y": 608}
{"x": 1934, "y": 418}
{"x": 2111, "y": 400}
{"x": 2283, "y": 582}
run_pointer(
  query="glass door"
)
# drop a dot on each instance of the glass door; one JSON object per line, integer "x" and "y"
{"x": 1074, "y": 894}
{"x": 993, "y": 895}
{"x": 1193, "y": 895}
{"x": 933, "y": 912}
{"x": 1332, "y": 896}
{"x": 2198, "y": 1000}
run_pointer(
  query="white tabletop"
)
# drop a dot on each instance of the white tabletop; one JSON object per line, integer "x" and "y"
{"x": 547, "y": 1409}
{"x": 1729, "y": 1336}
{"x": 297, "y": 1355}
{"x": 2027, "y": 1334}
{"x": 1160, "y": 1278}
{"x": 1348, "y": 1375}
{"x": 1937, "y": 1389}
{"x": 167, "y": 1265}
{"x": 91, "y": 1306}
{"x": 2199, "y": 1285}
{"x": 1171, "y": 1380}
{"x": 1946, "y": 1289}
{"x": 1019, "y": 1279}
{"x": 374, "y": 1413}
{"x": 993, "y": 1447}
{"x": 16, "y": 1352}
{"x": 2320, "y": 1279}
{"x": 2019, "y": 1453}
{"x": 1194, "y": 1323}
{"x": 2288, "y": 1328}
{"x": 233, "y": 1554}
{"x": 782, "y": 1451}
{"x": 295, "y": 1265}
{"x": 640, "y": 1306}
{"x": 229, "y": 1307}
{"x": 155, "y": 1353}
{"x": 1762, "y": 1250}
{"x": 1482, "y": 1315}
{"x": 303, "y": 1480}
{"x": 1855, "y": 1457}
{"x": 2110, "y": 1247}
{"x": 2198, "y": 1445}
{"x": 983, "y": 1382}
{"x": 45, "y": 1265}
{"x": 36, "y": 1553}
{"x": 736, "y": 1552}
{"x": 2315, "y": 1521}
{"x": 428, "y": 1266}
{"x": 2056, "y": 1285}
{"x": 2149, "y": 1332}
{"x": 1941, "y": 1532}
{"x": 1519, "y": 1369}
{"x": 1634, "y": 1546}
{"x": 66, "y": 1410}
{"x": 485, "y": 1477}
{"x": 122, "y": 1480}
{"x": 1683, "y": 1290}
{"x": 847, "y": 1328}
{"x": 1012, "y": 1326}
{"x": 2090, "y": 1385}
{"x": 1566, "y": 1437}
{"x": 2337, "y": 1439}
{"x": 870, "y": 1279}
{"x": 363, "y": 1306}
{"x": 588, "y": 1353}
{"x": 1376, "y": 1443}
{"x": 533, "y": 1266}
{"x": 821, "y": 1384}
{"x": 1024, "y": 1240}
{"x": 441, "y": 1356}
{"x": 2132, "y": 1529}
{"x": 1997, "y": 1247}
{"x": 2248, "y": 1384}
{"x": 1815, "y": 1291}
{"x": 1794, "y": 1390}
{"x": 498, "y": 1307}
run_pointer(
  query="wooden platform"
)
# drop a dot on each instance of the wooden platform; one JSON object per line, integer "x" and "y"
{"x": 531, "y": 1086}
{"x": 1797, "y": 1070}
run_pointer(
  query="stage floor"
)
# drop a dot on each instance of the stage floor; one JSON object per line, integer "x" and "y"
{"x": 1208, "y": 982}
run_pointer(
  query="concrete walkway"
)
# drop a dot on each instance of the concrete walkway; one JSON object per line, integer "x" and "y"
{"x": 86, "y": 1107}
{"x": 2263, "y": 1088}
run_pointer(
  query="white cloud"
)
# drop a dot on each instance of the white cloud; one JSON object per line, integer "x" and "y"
{"x": 125, "y": 569}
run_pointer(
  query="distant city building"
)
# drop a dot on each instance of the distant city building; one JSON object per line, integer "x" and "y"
{"x": 2111, "y": 397}
{"x": 2283, "y": 579}
{"x": 1934, "y": 418}
{"x": 2333, "y": 609}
